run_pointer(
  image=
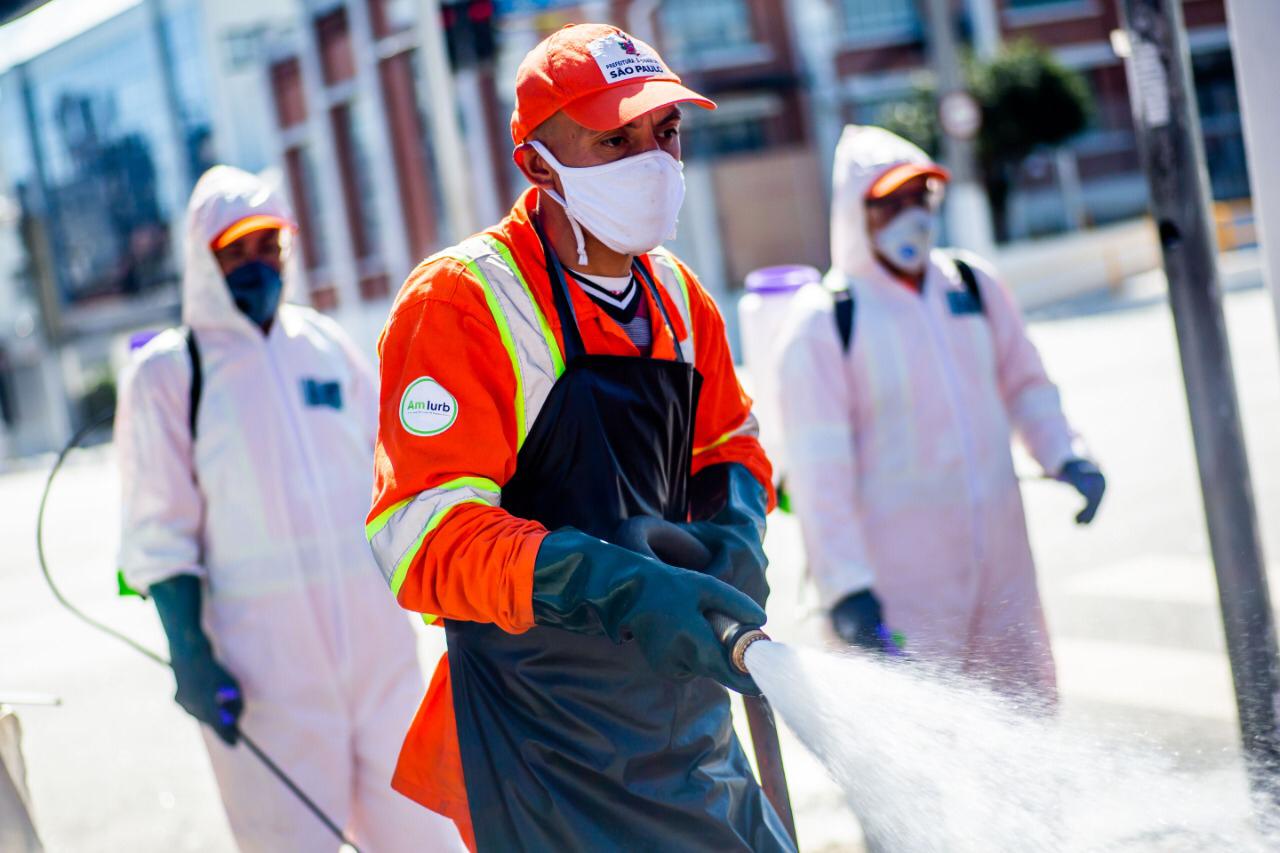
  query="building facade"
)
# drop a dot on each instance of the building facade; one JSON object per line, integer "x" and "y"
{"x": 100, "y": 138}
{"x": 388, "y": 152}
{"x": 881, "y": 55}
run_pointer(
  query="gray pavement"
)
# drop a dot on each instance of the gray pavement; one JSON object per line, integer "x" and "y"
{"x": 1131, "y": 600}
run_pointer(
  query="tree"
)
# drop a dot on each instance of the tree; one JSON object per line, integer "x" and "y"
{"x": 1029, "y": 101}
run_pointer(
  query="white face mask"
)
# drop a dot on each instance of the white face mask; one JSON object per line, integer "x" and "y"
{"x": 630, "y": 205}
{"x": 907, "y": 238}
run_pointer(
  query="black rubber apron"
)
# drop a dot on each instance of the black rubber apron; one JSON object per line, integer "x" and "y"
{"x": 569, "y": 741}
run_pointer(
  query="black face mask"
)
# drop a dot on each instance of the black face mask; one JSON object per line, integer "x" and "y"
{"x": 255, "y": 288}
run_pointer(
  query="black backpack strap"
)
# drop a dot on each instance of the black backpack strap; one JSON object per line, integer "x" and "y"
{"x": 197, "y": 377}
{"x": 845, "y": 310}
{"x": 970, "y": 279}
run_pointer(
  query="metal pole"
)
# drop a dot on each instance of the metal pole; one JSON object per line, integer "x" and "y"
{"x": 441, "y": 106}
{"x": 1255, "y": 32}
{"x": 815, "y": 34}
{"x": 469, "y": 87}
{"x": 1169, "y": 141}
{"x": 173, "y": 116}
{"x": 968, "y": 209}
{"x": 985, "y": 19}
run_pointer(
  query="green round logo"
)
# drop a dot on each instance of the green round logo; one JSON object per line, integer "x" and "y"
{"x": 427, "y": 408}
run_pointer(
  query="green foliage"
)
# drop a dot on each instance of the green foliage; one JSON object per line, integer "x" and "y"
{"x": 915, "y": 118}
{"x": 1028, "y": 100}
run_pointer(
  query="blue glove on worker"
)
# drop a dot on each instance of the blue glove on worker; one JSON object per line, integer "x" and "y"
{"x": 1085, "y": 477}
{"x": 727, "y": 546}
{"x": 859, "y": 621}
{"x": 206, "y": 690}
{"x": 728, "y": 507}
{"x": 586, "y": 585}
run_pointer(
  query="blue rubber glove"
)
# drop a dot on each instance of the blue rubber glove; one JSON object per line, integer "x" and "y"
{"x": 728, "y": 508}
{"x": 858, "y": 620}
{"x": 1085, "y": 477}
{"x": 590, "y": 586}
{"x": 206, "y": 690}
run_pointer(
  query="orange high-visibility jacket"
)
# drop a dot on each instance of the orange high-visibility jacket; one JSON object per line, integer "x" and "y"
{"x": 468, "y": 355}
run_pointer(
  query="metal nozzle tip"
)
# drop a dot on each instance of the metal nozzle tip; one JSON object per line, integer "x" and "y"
{"x": 739, "y": 653}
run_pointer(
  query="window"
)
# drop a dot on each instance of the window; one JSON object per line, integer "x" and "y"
{"x": 286, "y": 85}
{"x": 879, "y": 20}
{"x": 408, "y": 148}
{"x": 302, "y": 187}
{"x": 334, "y": 39}
{"x": 103, "y": 178}
{"x": 741, "y": 124}
{"x": 389, "y": 17}
{"x": 1023, "y": 12}
{"x": 357, "y": 187}
{"x": 1220, "y": 127}
{"x": 708, "y": 32}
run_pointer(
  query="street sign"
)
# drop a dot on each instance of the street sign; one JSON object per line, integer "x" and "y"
{"x": 960, "y": 115}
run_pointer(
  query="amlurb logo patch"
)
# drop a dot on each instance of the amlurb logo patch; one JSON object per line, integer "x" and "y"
{"x": 621, "y": 58}
{"x": 427, "y": 408}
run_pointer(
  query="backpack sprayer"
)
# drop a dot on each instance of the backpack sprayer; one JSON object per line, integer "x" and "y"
{"x": 348, "y": 846}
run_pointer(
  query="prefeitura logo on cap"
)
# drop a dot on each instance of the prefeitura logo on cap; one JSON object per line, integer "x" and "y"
{"x": 621, "y": 58}
{"x": 427, "y": 408}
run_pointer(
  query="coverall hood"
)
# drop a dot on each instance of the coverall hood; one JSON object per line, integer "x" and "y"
{"x": 223, "y": 196}
{"x": 863, "y": 154}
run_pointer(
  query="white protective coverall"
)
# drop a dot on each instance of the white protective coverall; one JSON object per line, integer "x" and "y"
{"x": 899, "y": 463}
{"x": 268, "y": 510}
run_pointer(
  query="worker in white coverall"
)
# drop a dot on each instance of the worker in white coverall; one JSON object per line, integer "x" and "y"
{"x": 245, "y": 526}
{"x": 902, "y": 378}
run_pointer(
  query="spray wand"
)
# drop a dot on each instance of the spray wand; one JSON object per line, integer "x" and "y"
{"x": 661, "y": 540}
{"x": 737, "y": 638}
{"x": 348, "y": 846}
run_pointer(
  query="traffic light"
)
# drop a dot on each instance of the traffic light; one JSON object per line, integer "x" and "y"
{"x": 468, "y": 30}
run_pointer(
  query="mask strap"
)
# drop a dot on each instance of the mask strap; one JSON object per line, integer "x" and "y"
{"x": 559, "y": 199}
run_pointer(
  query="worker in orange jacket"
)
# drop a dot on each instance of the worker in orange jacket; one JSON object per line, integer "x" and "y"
{"x": 562, "y": 439}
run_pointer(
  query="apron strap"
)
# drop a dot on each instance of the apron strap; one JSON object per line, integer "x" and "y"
{"x": 573, "y": 345}
{"x": 662, "y": 307}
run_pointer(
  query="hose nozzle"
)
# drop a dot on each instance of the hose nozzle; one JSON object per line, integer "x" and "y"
{"x": 736, "y": 638}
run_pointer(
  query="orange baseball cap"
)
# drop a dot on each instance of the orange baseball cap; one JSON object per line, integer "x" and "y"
{"x": 601, "y": 77}
{"x": 895, "y": 176}
{"x": 241, "y": 227}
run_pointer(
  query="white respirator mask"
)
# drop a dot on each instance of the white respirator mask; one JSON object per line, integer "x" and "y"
{"x": 907, "y": 238}
{"x": 630, "y": 205}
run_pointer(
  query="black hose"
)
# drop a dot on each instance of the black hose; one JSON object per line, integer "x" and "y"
{"x": 75, "y": 442}
{"x": 275, "y": 769}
